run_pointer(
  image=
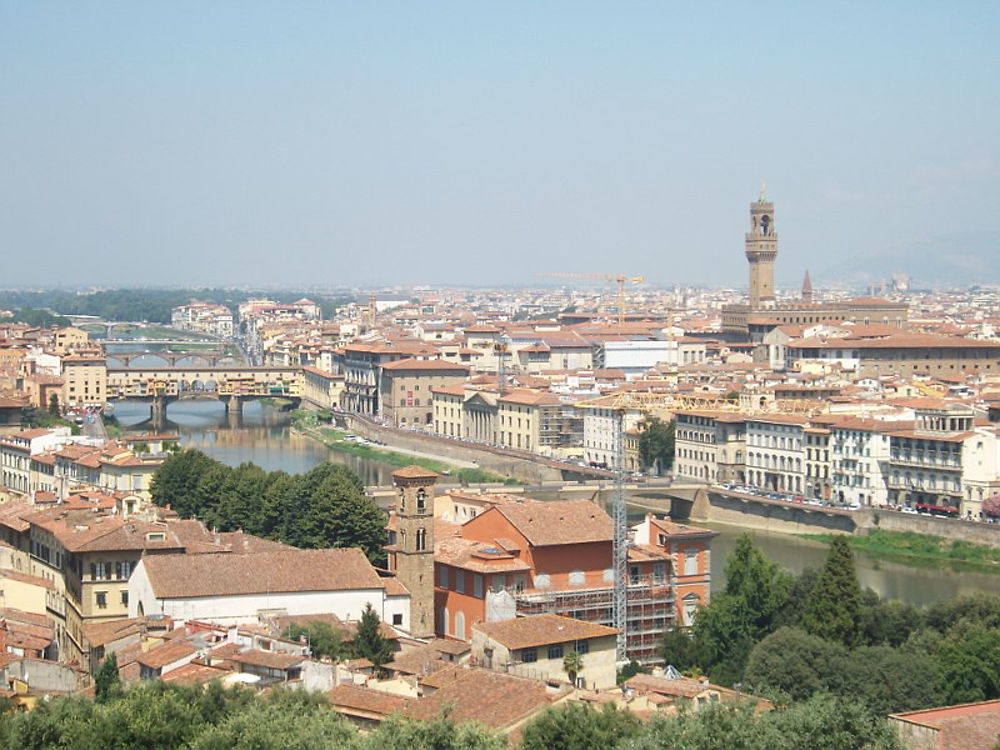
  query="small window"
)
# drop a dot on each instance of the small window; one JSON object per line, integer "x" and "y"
{"x": 529, "y": 655}
{"x": 397, "y": 619}
{"x": 101, "y": 597}
{"x": 541, "y": 580}
{"x": 125, "y": 598}
{"x": 443, "y": 577}
{"x": 556, "y": 651}
{"x": 477, "y": 586}
{"x": 582, "y": 647}
{"x": 460, "y": 581}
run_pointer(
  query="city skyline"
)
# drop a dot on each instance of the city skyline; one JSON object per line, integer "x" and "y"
{"x": 252, "y": 145}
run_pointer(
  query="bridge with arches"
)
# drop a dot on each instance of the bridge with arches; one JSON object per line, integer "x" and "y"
{"x": 232, "y": 385}
{"x": 196, "y": 358}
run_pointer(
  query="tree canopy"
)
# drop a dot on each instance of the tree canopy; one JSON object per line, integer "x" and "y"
{"x": 656, "y": 445}
{"x": 324, "y": 507}
{"x": 833, "y": 608}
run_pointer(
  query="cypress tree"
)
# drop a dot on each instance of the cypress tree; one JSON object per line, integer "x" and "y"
{"x": 833, "y": 608}
{"x": 369, "y": 642}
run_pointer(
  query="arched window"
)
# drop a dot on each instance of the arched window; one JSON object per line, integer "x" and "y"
{"x": 460, "y": 624}
{"x": 421, "y": 539}
{"x": 421, "y": 501}
{"x": 577, "y": 578}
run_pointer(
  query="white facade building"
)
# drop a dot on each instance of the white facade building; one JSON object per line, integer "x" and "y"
{"x": 232, "y": 588}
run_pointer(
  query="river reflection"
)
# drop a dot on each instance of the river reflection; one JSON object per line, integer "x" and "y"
{"x": 260, "y": 435}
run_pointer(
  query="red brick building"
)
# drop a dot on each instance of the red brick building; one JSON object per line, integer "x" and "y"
{"x": 531, "y": 557}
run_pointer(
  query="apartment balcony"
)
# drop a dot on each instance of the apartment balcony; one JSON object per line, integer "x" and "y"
{"x": 947, "y": 462}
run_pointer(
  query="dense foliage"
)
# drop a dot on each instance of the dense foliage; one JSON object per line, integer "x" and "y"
{"x": 34, "y": 417}
{"x": 39, "y": 318}
{"x": 152, "y": 305}
{"x": 792, "y": 638}
{"x": 325, "y": 507}
{"x": 656, "y": 445}
{"x": 157, "y": 716}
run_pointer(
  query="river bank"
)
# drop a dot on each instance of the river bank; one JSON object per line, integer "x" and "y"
{"x": 921, "y": 549}
{"x": 464, "y": 471}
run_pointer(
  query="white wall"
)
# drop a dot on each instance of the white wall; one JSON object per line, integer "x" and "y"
{"x": 347, "y": 605}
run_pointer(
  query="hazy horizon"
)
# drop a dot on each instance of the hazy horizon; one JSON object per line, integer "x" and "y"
{"x": 322, "y": 144}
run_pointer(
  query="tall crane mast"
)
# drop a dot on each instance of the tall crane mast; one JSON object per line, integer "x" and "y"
{"x": 619, "y": 516}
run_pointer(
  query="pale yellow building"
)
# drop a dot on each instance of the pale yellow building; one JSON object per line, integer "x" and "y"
{"x": 85, "y": 381}
{"x": 537, "y": 647}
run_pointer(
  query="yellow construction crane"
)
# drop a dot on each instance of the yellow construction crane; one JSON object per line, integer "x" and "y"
{"x": 620, "y": 279}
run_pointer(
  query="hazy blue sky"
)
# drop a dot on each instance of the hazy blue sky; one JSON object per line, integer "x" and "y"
{"x": 376, "y": 142}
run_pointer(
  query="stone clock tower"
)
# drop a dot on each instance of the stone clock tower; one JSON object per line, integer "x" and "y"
{"x": 413, "y": 554}
{"x": 761, "y": 249}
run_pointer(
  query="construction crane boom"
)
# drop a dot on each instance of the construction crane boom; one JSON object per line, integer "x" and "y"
{"x": 620, "y": 279}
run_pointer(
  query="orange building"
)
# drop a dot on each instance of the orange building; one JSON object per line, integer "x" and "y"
{"x": 529, "y": 557}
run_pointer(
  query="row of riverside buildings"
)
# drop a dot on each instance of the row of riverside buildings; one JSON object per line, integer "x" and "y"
{"x": 928, "y": 454}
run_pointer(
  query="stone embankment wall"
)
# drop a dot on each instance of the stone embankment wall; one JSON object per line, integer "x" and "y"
{"x": 783, "y": 518}
{"x": 763, "y": 515}
{"x": 986, "y": 534}
{"x": 506, "y": 466}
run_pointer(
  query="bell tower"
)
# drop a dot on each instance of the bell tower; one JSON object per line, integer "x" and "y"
{"x": 761, "y": 250}
{"x": 413, "y": 554}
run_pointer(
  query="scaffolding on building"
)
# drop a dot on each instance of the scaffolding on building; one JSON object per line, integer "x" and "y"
{"x": 651, "y": 607}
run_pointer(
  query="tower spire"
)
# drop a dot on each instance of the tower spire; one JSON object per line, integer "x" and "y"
{"x": 807, "y": 288}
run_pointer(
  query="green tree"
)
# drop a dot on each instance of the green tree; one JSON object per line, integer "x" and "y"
{"x": 887, "y": 680}
{"x": 438, "y": 734}
{"x": 791, "y": 612}
{"x": 833, "y": 609}
{"x": 981, "y": 609}
{"x": 578, "y": 726}
{"x": 887, "y": 622}
{"x": 107, "y": 683}
{"x": 572, "y": 665}
{"x": 176, "y": 480}
{"x": 54, "y": 405}
{"x": 324, "y": 640}
{"x": 369, "y": 643}
{"x": 969, "y": 660}
{"x": 791, "y": 664}
{"x": 279, "y": 719}
{"x": 678, "y": 649}
{"x": 656, "y": 445}
{"x": 822, "y": 723}
{"x": 726, "y": 630}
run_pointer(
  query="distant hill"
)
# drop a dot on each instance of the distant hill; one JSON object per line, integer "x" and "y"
{"x": 955, "y": 259}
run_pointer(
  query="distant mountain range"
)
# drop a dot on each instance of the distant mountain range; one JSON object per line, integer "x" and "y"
{"x": 964, "y": 258}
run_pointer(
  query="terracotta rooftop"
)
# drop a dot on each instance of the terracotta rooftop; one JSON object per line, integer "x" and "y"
{"x": 269, "y": 659}
{"x": 541, "y": 630}
{"x": 351, "y": 699}
{"x": 410, "y": 364}
{"x": 415, "y": 472}
{"x": 182, "y": 576}
{"x": 972, "y": 726}
{"x": 166, "y": 653}
{"x": 495, "y": 700}
{"x": 546, "y": 524}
